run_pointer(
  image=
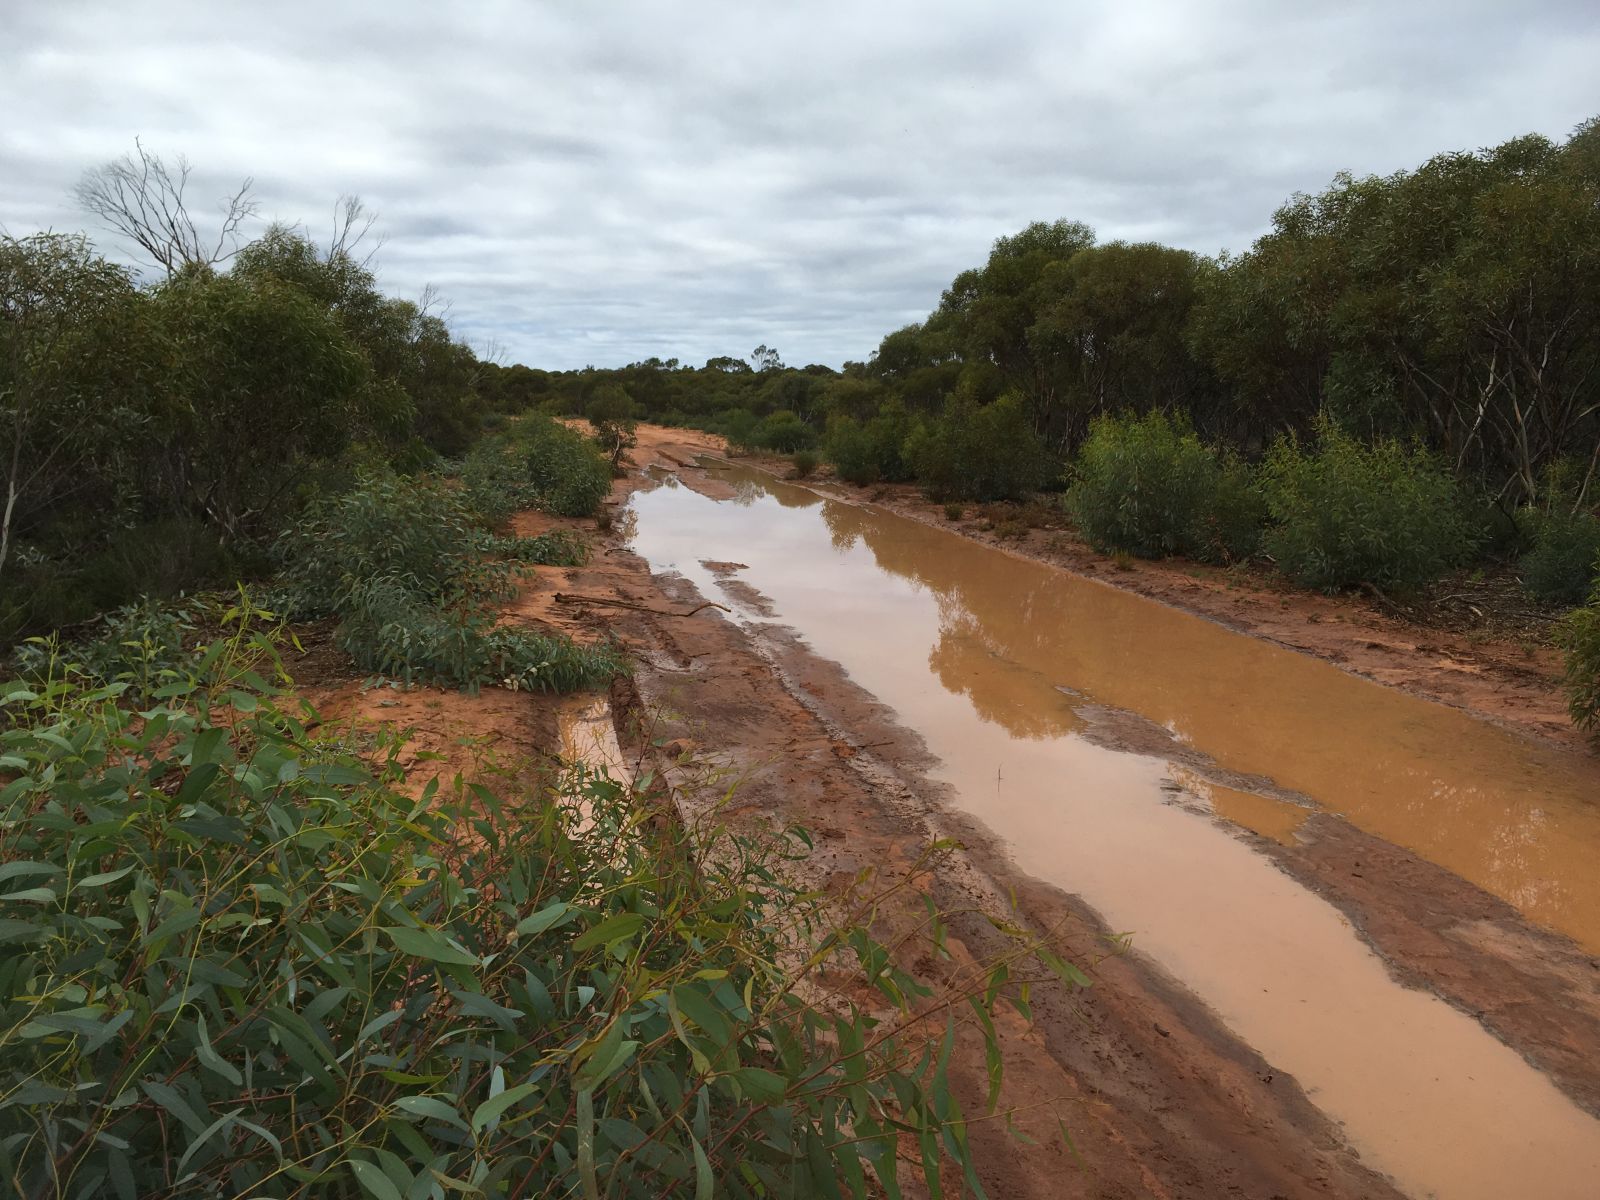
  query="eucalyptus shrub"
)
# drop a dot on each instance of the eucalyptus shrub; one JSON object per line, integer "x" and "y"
{"x": 1578, "y": 635}
{"x": 410, "y": 576}
{"x": 565, "y": 473}
{"x": 555, "y": 548}
{"x": 869, "y": 451}
{"x": 1149, "y": 486}
{"x": 493, "y": 482}
{"x": 138, "y": 644}
{"x": 391, "y": 528}
{"x": 979, "y": 452}
{"x": 237, "y": 961}
{"x": 1345, "y": 513}
{"x": 785, "y": 433}
{"x": 389, "y": 630}
{"x": 538, "y": 463}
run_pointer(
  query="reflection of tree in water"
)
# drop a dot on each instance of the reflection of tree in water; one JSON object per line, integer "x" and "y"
{"x": 749, "y": 486}
{"x": 974, "y": 657}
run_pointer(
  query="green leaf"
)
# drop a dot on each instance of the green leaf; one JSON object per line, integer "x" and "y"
{"x": 431, "y": 944}
{"x": 374, "y": 1180}
{"x": 543, "y": 919}
{"x": 210, "y": 1058}
{"x": 761, "y": 1085}
{"x": 431, "y": 1107}
{"x": 13, "y": 930}
{"x": 605, "y": 1058}
{"x": 169, "y": 1099}
{"x": 105, "y": 877}
{"x": 699, "y": 1008}
{"x": 16, "y": 870}
{"x": 491, "y": 1109}
{"x": 591, "y": 1186}
{"x": 704, "y": 1185}
{"x": 610, "y": 931}
{"x": 1063, "y": 970}
{"x": 38, "y": 895}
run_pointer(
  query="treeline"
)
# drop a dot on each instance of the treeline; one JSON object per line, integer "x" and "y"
{"x": 1456, "y": 306}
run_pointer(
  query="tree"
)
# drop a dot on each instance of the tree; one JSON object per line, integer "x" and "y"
{"x": 142, "y": 199}
{"x": 66, "y": 317}
{"x": 266, "y": 382}
{"x": 611, "y": 415}
{"x": 990, "y": 310}
{"x": 766, "y": 359}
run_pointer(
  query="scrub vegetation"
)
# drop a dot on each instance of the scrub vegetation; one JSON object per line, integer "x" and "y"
{"x": 240, "y": 961}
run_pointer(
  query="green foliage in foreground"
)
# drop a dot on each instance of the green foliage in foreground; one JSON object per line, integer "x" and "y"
{"x": 1346, "y": 513}
{"x": 1149, "y": 486}
{"x": 1579, "y": 635}
{"x": 236, "y": 961}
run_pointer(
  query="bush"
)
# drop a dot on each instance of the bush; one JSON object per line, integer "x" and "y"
{"x": 973, "y": 452}
{"x": 1149, "y": 487}
{"x": 741, "y": 428}
{"x": 614, "y": 418}
{"x": 139, "y": 647}
{"x": 805, "y": 464}
{"x": 865, "y": 453}
{"x": 494, "y": 484}
{"x": 1347, "y": 513}
{"x": 409, "y": 576}
{"x": 389, "y": 630}
{"x": 1579, "y": 635}
{"x": 565, "y": 472}
{"x": 251, "y": 965}
{"x": 554, "y": 548}
{"x": 953, "y": 512}
{"x": 1563, "y": 563}
{"x": 409, "y": 530}
{"x": 783, "y": 432}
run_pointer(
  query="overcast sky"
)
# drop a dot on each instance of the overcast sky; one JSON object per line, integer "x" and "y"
{"x": 599, "y": 183}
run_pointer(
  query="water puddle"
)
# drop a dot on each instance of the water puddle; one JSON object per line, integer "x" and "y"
{"x": 588, "y": 736}
{"x": 990, "y": 658}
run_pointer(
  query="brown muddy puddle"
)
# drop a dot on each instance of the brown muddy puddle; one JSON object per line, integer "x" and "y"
{"x": 972, "y": 648}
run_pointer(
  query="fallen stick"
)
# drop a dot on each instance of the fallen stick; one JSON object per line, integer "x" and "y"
{"x": 566, "y": 598}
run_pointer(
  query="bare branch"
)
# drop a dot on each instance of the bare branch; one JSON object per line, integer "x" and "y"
{"x": 141, "y": 198}
{"x": 432, "y": 298}
{"x": 352, "y": 222}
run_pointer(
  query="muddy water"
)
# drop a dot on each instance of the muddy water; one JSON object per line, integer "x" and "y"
{"x": 995, "y": 660}
{"x": 589, "y": 736}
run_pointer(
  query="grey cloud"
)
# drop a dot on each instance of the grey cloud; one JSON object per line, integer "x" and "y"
{"x": 600, "y": 183}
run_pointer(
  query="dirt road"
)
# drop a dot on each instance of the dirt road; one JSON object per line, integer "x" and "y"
{"x": 1162, "y": 1093}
